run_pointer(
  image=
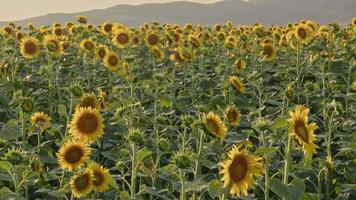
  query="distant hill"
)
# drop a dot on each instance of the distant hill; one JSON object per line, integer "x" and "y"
{"x": 237, "y": 11}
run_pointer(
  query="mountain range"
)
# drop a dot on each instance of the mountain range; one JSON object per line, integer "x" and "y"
{"x": 238, "y": 11}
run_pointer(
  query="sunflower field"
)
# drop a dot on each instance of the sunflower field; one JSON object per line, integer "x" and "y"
{"x": 167, "y": 111}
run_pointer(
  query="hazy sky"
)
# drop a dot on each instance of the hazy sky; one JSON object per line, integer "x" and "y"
{"x": 22, "y": 9}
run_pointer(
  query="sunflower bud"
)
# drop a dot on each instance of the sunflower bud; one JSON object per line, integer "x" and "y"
{"x": 14, "y": 156}
{"x": 136, "y": 135}
{"x": 27, "y": 105}
{"x": 183, "y": 160}
{"x": 163, "y": 144}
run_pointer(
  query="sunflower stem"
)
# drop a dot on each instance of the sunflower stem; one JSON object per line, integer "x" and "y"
{"x": 182, "y": 178}
{"x": 287, "y": 160}
{"x": 133, "y": 172}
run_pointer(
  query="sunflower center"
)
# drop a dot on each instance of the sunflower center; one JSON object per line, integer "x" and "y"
{"x": 108, "y": 28}
{"x": 88, "y": 123}
{"x": 40, "y": 120}
{"x": 212, "y": 126}
{"x": 231, "y": 115}
{"x": 267, "y": 51}
{"x": 30, "y": 47}
{"x": 82, "y": 182}
{"x": 302, "y": 33}
{"x": 238, "y": 64}
{"x": 238, "y": 168}
{"x": 301, "y": 130}
{"x": 88, "y": 45}
{"x": 58, "y": 31}
{"x": 73, "y": 154}
{"x": 101, "y": 53}
{"x": 122, "y": 38}
{"x": 98, "y": 178}
{"x": 113, "y": 60}
{"x": 152, "y": 39}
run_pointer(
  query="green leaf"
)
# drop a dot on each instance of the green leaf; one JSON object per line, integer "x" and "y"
{"x": 142, "y": 154}
{"x": 10, "y": 131}
{"x": 5, "y": 165}
{"x": 279, "y": 188}
{"x": 124, "y": 195}
{"x": 59, "y": 193}
{"x": 280, "y": 123}
{"x": 215, "y": 188}
{"x": 62, "y": 110}
{"x": 296, "y": 189}
{"x": 165, "y": 102}
{"x": 6, "y": 193}
{"x": 309, "y": 196}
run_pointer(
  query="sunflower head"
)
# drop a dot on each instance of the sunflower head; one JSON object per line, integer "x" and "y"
{"x": 87, "y": 45}
{"x": 239, "y": 170}
{"x": 232, "y": 114}
{"x": 269, "y": 52}
{"x": 215, "y": 125}
{"x": 40, "y": 119}
{"x": 82, "y": 184}
{"x": 353, "y": 22}
{"x": 302, "y": 33}
{"x": 107, "y": 27}
{"x": 235, "y": 81}
{"x": 121, "y": 38}
{"x": 89, "y": 100}
{"x": 57, "y": 31}
{"x": 101, "y": 51}
{"x": 157, "y": 53}
{"x": 152, "y": 39}
{"x": 30, "y": 47}
{"x": 53, "y": 45}
{"x": 112, "y": 61}
{"x": 240, "y": 64}
{"x": 72, "y": 155}
{"x": 19, "y": 35}
{"x": 102, "y": 178}
{"x": 86, "y": 125}
{"x": 301, "y": 130}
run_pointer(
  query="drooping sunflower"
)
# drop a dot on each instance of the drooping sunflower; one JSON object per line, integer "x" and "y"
{"x": 235, "y": 81}
{"x": 89, "y": 100}
{"x": 232, "y": 114}
{"x": 195, "y": 41}
{"x": 86, "y": 125}
{"x": 215, "y": 125}
{"x": 239, "y": 170}
{"x": 353, "y": 21}
{"x": 240, "y": 64}
{"x": 112, "y": 61}
{"x": 102, "y": 177}
{"x": 39, "y": 119}
{"x": 72, "y": 155}
{"x": 157, "y": 53}
{"x": 101, "y": 51}
{"x": 53, "y": 45}
{"x": 87, "y": 45}
{"x": 269, "y": 52}
{"x": 121, "y": 38}
{"x": 30, "y": 47}
{"x": 19, "y": 35}
{"x": 82, "y": 184}
{"x": 301, "y": 130}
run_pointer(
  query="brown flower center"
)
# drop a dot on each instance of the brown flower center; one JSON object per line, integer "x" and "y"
{"x": 58, "y": 31}
{"x": 231, "y": 115}
{"x": 88, "y": 123}
{"x": 212, "y": 126}
{"x": 122, "y": 38}
{"x": 108, "y": 28}
{"x": 82, "y": 182}
{"x": 98, "y": 178}
{"x": 88, "y": 102}
{"x": 301, "y": 130}
{"x": 101, "y": 53}
{"x": 73, "y": 154}
{"x": 113, "y": 60}
{"x": 267, "y": 51}
{"x": 30, "y": 47}
{"x": 302, "y": 33}
{"x": 88, "y": 45}
{"x": 238, "y": 168}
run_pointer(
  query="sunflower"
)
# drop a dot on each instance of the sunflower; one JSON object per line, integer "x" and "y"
{"x": 214, "y": 125}
{"x": 194, "y": 41}
{"x": 53, "y": 45}
{"x": 301, "y": 130}
{"x": 57, "y": 31}
{"x": 240, "y": 64}
{"x": 152, "y": 39}
{"x": 302, "y": 33}
{"x": 121, "y": 38}
{"x": 102, "y": 177}
{"x": 30, "y": 47}
{"x": 82, "y": 184}
{"x": 101, "y": 51}
{"x": 72, "y": 155}
{"x": 353, "y": 21}
{"x": 19, "y": 36}
{"x": 86, "y": 124}
{"x": 89, "y": 100}
{"x": 235, "y": 81}
{"x": 39, "y": 119}
{"x": 107, "y": 28}
{"x": 157, "y": 53}
{"x": 112, "y": 61}
{"x": 239, "y": 170}
{"x": 87, "y": 45}
{"x": 232, "y": 115}
{"x": 8, "y": 30}
{"x": 269, "y": 52}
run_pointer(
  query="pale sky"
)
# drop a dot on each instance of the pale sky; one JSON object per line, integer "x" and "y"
{"x": 11, "y": 10}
